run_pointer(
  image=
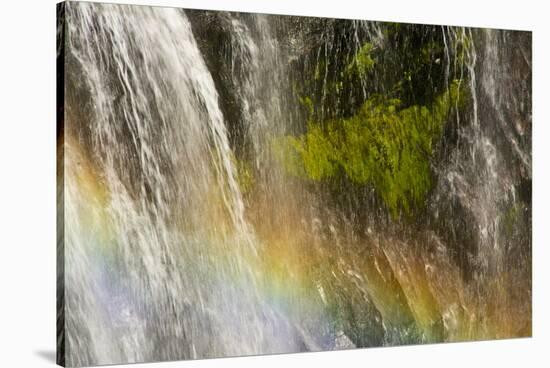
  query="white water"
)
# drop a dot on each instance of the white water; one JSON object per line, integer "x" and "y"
{"x": 132, "y": 258}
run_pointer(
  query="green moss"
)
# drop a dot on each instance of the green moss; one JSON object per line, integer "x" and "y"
{"x": 382, "y": 145}
{"x": 362, "y": 62}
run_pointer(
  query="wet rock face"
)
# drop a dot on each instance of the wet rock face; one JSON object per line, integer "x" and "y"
{"x": 212, "y": 31}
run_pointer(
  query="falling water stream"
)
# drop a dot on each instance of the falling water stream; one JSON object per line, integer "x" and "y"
{"x": 158, "y": 287}
{"x": 166, "y": 254}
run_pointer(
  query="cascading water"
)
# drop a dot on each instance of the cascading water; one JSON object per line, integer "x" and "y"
{"x": 170, "y": 280}
{"x": 204, "y": 212}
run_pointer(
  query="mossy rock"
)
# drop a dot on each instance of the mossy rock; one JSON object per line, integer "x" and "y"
{"x": 382, "y": 145}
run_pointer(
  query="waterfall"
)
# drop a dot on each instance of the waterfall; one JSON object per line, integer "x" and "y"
{"x": 165, "y": 275}
{"x": 238, "y": 184}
